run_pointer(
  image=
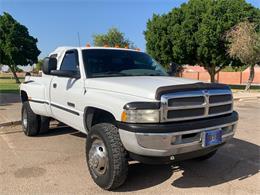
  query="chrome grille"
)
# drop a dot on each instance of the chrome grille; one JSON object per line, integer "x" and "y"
{"x": 186, "y": 101}
{"x": 220, "y": 109}
{"x": 185, "y": 113}
{"x": 220, "y": 98}
{"x": 195, "y": 104}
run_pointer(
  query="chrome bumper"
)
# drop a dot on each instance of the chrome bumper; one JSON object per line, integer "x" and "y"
{"x": 170, "y": 144}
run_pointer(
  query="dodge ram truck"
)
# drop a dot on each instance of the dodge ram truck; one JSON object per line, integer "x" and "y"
{"x": 129, "y": 108}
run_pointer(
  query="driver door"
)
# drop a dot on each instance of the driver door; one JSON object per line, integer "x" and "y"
{"x": 66, "y": 93}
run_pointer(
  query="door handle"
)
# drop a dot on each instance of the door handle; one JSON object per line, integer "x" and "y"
{"x": 54, "y": 85}
{"x": 71, "y": 104}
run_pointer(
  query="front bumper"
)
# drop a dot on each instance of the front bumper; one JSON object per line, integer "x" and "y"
{"x": 165, "y": 143}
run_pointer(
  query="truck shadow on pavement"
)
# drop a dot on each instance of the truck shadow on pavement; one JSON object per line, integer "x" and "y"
{"x": 142, "y": 176}
{"x": 61, "y": 129}
{"x": 237, "y": 159}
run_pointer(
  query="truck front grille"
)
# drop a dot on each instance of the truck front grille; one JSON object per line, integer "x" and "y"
{"x": 185, "y": 101}
{"x": 220, "y": 109}
{"x": 220, "y": 98}
{"x": 185, "y": 113}
{"x": 195, "y": 104}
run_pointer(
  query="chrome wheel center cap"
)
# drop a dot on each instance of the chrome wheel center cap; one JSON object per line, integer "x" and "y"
{"x": 98, "y": 159}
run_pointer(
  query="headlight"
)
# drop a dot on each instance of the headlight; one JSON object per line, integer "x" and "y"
{"x": 140, "y": 116}
{"x": 141, "y": 112}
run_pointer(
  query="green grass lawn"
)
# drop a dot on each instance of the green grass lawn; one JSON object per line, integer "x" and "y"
{"x": 8, "y": 85}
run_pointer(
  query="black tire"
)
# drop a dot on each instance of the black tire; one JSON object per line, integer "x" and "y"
{"x": 30, "y": 121}
{"x": 117, "y": 167}
{"x": 36, "y": 124}
{"x": 207, "y": 156}
{"x": 44, "y": 123}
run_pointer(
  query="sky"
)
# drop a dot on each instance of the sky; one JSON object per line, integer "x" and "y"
{"x": 57, "y": 22}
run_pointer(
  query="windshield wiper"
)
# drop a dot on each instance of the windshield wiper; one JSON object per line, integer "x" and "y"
{"x": 110, "y": 74}
{"x": 154, "y": 74}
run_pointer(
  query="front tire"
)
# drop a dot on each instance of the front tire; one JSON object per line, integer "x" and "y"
{"x": 106, "y": 156}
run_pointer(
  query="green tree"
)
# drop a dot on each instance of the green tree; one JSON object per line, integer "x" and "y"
{"x": 38, "y": 65}
{"x": 245, "y": 46}
{"x": 112, "y": 38}
{"x": 17, "y": 47}
{"x": 193, "y": 33}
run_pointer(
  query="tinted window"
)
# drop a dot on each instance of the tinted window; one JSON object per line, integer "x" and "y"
{"x": 109, "y": 62}
{"x": 70, "y": 62}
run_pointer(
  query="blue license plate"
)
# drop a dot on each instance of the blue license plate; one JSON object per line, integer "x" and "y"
{"x": 212, "y": 137}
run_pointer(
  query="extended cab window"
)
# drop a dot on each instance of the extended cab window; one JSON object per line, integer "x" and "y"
{"x": 70, "y": 62}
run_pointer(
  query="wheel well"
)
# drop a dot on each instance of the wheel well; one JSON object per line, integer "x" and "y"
{"x": 24, "y": 96}
{"x": 94, "y": 116}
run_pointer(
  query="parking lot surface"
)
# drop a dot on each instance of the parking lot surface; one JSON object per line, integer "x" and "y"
{"x": 55, "y": 163}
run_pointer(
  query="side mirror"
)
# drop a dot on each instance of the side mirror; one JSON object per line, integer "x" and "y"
{"x": 174, "y": 69}
{"x": 27, "y": 74}
{"x": 49, "y": 64}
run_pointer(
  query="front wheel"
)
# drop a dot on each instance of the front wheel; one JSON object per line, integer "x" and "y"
{"x": 106, "y": 156}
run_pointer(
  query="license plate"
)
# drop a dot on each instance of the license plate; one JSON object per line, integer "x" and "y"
{"x": 212, "y": 137}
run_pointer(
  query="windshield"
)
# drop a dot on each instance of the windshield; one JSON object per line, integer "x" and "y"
{"x": 109, "y": 63}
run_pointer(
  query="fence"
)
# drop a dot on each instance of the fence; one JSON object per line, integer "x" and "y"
{"x": 235, "y": 78}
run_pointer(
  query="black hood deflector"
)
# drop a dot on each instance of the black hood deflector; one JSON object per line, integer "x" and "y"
{"x": 188, "y": 87}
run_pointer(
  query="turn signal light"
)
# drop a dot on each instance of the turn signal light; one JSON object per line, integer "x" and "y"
{"x": 123, "y": 116}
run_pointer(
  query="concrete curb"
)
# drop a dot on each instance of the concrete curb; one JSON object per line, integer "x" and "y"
{"x": 246, "y": 98}
{"x": 18, "y": 122}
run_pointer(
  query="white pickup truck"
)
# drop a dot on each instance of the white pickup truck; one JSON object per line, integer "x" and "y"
{"x": 129, "y": 107}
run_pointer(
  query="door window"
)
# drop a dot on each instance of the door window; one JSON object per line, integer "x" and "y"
{"x": 70, "y": 62}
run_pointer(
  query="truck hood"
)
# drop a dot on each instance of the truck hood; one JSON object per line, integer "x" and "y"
{"x": 141, "y": 86}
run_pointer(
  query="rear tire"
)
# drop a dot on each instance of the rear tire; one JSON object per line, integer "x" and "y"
{"x": 44, "y": 122}
{"x": 30, "y": 121}
{"x": 106, "y": 156}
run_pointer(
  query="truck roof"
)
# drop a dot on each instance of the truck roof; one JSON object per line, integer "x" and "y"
{"x": 62, "y": 48}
